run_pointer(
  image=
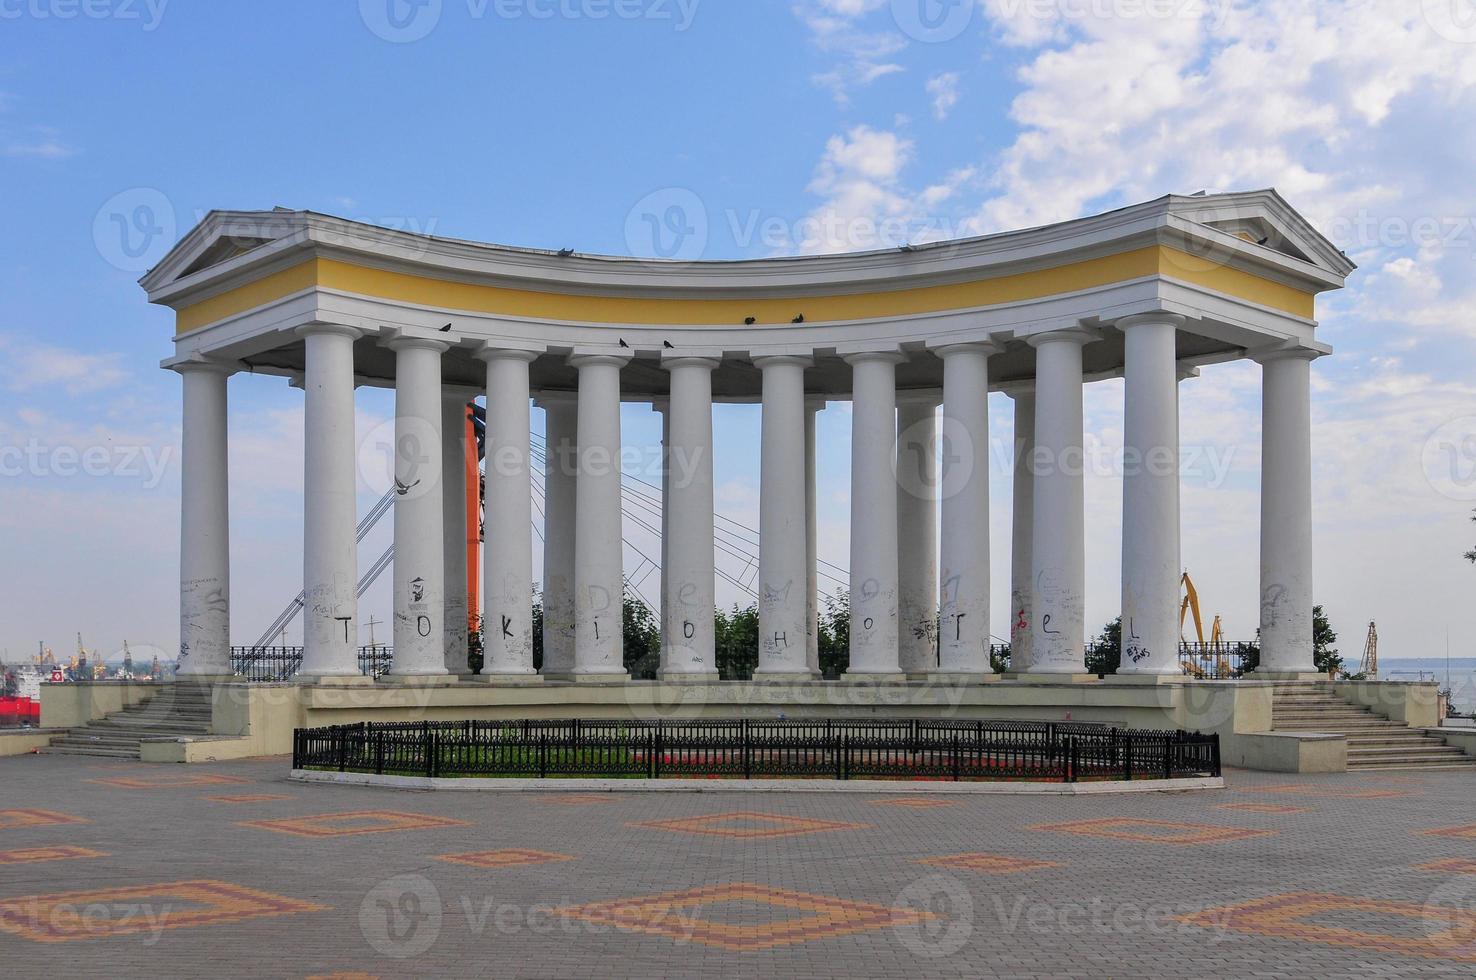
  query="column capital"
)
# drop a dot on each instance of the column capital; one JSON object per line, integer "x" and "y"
{"x": 885, "y": 356}
{"x": 986, "y": 347}
{"x": 414, "y": 338}
{"x": 775, "y": 360}
{"x": 493, "y": 351}
{"x": 1073, "y": 335}
{"x": 816, "y": 403}
{"x": 1138, "y": 319}
{"x": 581, "y": 359}
{"x": 671, "y": 361}
{"x": 321, "y": 327}
{"x": 1289, "y": 350}
{"x": 1185, "y": 370}
{"x": 197, "y": 362}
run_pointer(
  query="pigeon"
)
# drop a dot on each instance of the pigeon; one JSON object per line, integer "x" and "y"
{"x": 446, "y": 328}
{"x": 564, "y": 253}
{"x": 798, "y": 319}
{"x": 750, "y": 321}
{"x": 624, "y": 344}
{"x": 668, "y": 345}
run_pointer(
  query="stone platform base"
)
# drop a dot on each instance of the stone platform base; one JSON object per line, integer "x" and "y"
{"x": 889, "y": 786}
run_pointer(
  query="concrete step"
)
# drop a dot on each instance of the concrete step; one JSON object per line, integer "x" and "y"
{"x": 99, "y": 752}
{"x": 1389, "y": 741}
{"x": 100, "y": 727}
{"x": 1427, "y": 767}
{"x": 1407, "y": 762}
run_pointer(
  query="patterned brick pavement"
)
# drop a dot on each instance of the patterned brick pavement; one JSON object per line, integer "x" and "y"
{"x": 1360, "y": 875}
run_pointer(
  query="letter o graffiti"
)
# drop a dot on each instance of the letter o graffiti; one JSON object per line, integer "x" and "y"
{"x": 423, "y": 625}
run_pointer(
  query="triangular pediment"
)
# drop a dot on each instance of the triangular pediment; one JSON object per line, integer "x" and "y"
{"x": 1264, "y": 219}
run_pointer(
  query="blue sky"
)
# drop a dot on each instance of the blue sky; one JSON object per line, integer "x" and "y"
{"x": 778, "y": 119}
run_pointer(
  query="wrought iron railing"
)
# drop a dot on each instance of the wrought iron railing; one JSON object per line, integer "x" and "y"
{"x": 267, "y": 664}
{"x": 931, "y": 750}
{"x": 1219, "y": 661}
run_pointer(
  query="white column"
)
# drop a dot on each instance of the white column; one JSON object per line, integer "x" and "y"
{"x": 964, "y": 616}
{"x": 1286, "y": 512}
{"x": 330, "y": 555}
{"x": 1022, "y": 578}
{"x": 782, "y": 539}
{"x": 1059, "y": 525}
{"x": 598, "y": 570}
{"x": 205, "y": 534}
{"x": 507, "y": 571}
{"x": 917, "y": 533}
{"x": 873, "y": 515}
{"x": 560, "y": 473}
{"x": 454, "y": 408}
{"x": 813, "y": 407}
{"x": 664, "y": 410}
{"x": 687, "y": 535}
{"x": 420, "y": 558}
{"x": 1150, "y": 496}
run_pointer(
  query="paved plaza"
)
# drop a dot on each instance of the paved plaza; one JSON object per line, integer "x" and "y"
{"x": 115, "y": 869}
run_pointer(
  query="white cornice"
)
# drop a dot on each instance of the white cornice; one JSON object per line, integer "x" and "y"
{"x": 1174, "y": 220}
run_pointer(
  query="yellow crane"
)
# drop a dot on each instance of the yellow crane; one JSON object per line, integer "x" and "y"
{"x": 1189, "y": 605}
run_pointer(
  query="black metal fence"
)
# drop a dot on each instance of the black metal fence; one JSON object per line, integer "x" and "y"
{"x": 267, "y": 664}
{"x": 920, "y": 750}
{"x": 1219, "y": 661}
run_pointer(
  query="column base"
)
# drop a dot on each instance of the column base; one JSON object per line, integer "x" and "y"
{"x": 616, "y": 677}
{"x": 1038, "y": 678}
{"x": 873, "y": 677}
{"x": 956, "y": 677}
{"x": 508, "y": 680}
{"x": 784, "y": 677}
{"x": 1178, "y": 677}
{"x": 419, "y": 680}
{"x": 688, "y": 677}
{"x": 1262, "y": 674}
{"x": 335, "y": 680}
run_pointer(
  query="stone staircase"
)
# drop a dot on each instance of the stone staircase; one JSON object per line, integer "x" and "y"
{"x": 1374, "y": 742}
{"x": 177, "y": 710}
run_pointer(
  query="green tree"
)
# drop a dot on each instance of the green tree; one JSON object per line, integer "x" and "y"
{"x": 1324, "y": 655}
{"x": 1104, "y": 655}
{"x": 642, "y": 636}
{"x": 835, "y": 634}
{"x": 737, "y": 640}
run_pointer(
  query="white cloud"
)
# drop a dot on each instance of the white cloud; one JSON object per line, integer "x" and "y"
{"x": 863, "y": 55}
{"x": 944, "y": 90}
{"x": 43, "y": 143}
{"x": 33, "y": 365}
